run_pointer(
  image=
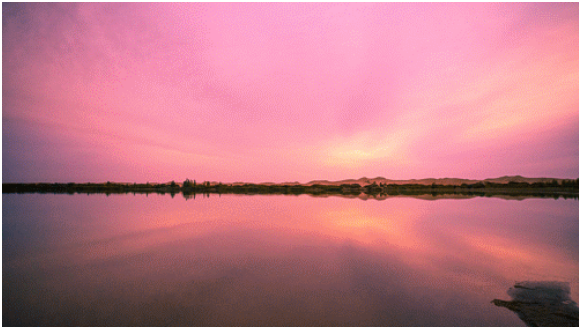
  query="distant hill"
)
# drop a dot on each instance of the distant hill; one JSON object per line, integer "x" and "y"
{"x": 444, "y": 181}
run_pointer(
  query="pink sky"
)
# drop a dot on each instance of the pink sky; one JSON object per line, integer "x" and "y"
{"x": 288, "y": 92}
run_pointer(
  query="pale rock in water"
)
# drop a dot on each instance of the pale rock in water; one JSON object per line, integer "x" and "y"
{"x": 542, "y": 303}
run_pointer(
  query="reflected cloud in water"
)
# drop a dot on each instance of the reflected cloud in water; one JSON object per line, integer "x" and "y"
{"x": 275, "y": 260}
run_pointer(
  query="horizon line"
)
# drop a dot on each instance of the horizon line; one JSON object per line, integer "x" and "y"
{"x": 309, "y": 182}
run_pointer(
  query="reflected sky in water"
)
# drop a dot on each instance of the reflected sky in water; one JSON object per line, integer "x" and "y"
{"x": 278, "y": 260}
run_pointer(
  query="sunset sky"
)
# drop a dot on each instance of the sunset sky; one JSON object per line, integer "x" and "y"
{"x": 288, "y": 92}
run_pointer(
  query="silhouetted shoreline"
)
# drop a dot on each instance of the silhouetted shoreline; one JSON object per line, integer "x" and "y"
{"x": 189, "y": 189}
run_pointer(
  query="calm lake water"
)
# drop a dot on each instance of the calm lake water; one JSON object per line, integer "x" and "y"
{"x": 278, "y": 260}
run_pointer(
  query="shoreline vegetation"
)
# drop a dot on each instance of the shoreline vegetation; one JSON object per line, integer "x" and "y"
{"x": 379, "y": 188}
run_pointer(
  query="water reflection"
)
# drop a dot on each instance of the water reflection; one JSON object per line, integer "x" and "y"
{"x": 277, "y": 260}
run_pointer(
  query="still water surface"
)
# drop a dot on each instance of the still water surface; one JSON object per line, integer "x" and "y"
{"x": 278, "y": 260}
